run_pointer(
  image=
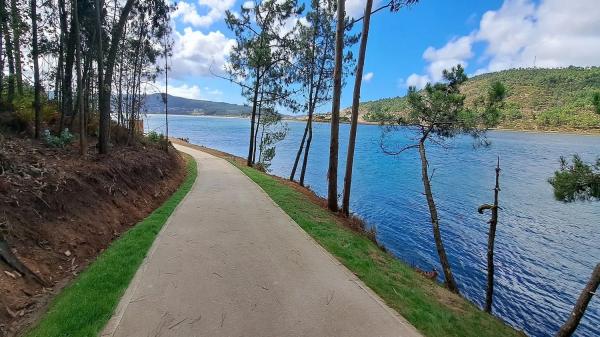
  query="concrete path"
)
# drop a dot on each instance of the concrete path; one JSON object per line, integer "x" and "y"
{"x": 229, "y": 262}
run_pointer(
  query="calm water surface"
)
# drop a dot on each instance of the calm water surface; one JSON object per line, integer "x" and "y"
{"x": 545, "y": 249}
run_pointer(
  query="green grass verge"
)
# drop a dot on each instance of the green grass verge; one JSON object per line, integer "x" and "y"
{"x": 429, "y": 307}
{"x": 85, "y": 306}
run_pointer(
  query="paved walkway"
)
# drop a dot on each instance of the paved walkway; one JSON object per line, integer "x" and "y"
{"x": 229, "y": 262}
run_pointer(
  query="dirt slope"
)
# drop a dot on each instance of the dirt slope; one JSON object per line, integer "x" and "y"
{"x": 59, "y": 211}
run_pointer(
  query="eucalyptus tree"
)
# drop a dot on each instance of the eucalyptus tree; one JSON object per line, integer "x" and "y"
{"x": 437, "y": 113}
{"x": 314, "y": 69}
{"x": 263, "y": 45}
{"x": 394, "y": 6}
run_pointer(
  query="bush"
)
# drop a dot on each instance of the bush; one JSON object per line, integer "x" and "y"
{"x": 576, "y": 181}
{"x": 65, "y": 138}
{"x": 155, "y": 137}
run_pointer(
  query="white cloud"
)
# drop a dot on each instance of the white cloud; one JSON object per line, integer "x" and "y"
{"x": 215, "y": 10}
{"x": 187, "y": 91}
{"x": 457, "y": 51}
{"x": 553, "y": 33}
{"x": 368, "y": 77}
{"x": 197, "y": 53}
{"x": 356, "y": 8}
{"x": 248, "y": 4}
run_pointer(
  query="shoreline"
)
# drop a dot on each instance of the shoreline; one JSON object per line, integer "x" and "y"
{"x": 566, "y": 131}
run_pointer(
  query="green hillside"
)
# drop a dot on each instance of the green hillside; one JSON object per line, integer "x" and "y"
{"x": 538, "y": 99}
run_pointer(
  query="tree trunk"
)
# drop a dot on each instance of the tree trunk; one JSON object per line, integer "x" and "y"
{"x": 82, "y": 128}
{"x": 489, "y": 295}
{"x": 299, "y": 153}
{"x": 257, "y": 124}
{"x": 582, "y": 303}
{"x": 60, "y": 65}
{"x": 1, "y": 62}
{"x": 36, "y": 70}
{"x": 332, "y": 174}
{"x": 104, "y": 86}
{"x": 67, "y": 85}
{"x": 166, "y": 97}
{"x": 252, "y": 122}
{"x": 306, "y": 150}
{"x": 355, "y": 103}
{"x": 104, "y": 124}
{"x": 9, "y": 52}
{"x": 16, "y": 29}
{"x": 450, "y": 283}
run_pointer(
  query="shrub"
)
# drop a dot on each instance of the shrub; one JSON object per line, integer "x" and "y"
{"x": 65, "y": 138}
{"x": 155, "y": 137}
{"x": 577, "y": 180}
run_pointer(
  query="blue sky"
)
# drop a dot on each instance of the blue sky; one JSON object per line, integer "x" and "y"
{"x": 410, "y": 47}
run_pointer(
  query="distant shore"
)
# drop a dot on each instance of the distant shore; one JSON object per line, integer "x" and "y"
{"x": 571, "y": 131}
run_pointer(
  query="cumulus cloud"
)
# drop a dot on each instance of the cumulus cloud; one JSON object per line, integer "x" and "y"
{"x": 356, "y": 8}
{"x": 197, "y": 53}
{"x": 188, "y": 91}
{"x": 215, "y": 10}
{"x": 521, "y": 33}
{"x": 368, "y": 77}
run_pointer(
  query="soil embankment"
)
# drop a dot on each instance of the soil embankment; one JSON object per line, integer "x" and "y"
{"x": 58, "y": 211}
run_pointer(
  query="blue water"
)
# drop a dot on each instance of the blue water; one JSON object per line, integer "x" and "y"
{"x": 545, "y": 249}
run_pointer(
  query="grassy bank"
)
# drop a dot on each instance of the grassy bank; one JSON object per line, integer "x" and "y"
{"x": 429, "y": 307}
{"x": 84, "y": 307}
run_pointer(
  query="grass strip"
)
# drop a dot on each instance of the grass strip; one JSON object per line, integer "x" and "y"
{"x": 85, "y": 306}
{"x": 429, "y": 307}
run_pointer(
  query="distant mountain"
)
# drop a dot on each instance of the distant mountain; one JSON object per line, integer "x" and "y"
{"x": 153, "y": 104}
{"x": 560, "y": 99}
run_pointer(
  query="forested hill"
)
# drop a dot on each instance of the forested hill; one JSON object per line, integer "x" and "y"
{"x": 536, "y": 98}
{"x": 184, "y": 106}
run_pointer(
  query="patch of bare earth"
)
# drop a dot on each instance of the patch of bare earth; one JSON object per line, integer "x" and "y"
{"x": 59, "y": 211}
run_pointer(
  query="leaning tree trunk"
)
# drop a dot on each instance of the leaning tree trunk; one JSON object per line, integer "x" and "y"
{"x": 355, "y": 103}
{"x": 299, "y": 152}
{"x": 582, "y": 303}
{"x": 36, "y": 70}
{"x": 437, "y": 235}
{"x": 306, "y": 150}
{"x": 332, "y": 172}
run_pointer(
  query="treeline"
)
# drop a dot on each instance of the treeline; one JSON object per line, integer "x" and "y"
{"x": 70, "y": 64}
{"x": 566, "y": 98}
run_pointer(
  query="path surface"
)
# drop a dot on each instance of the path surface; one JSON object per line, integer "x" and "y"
{"x": 229, "y": 262}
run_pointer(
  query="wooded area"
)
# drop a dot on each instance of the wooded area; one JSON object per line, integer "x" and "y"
{"x": 87, "y": 69}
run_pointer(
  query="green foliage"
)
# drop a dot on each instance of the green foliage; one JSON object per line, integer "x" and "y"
{"x": 577, "y": 180}
{"x": 155, "y": 137}
{"x": 426, "y": 305}
{"x": 272, "y": 132}
{"x": 63, "y": 139}
{"x": 596, "y": 101}
{"x": 439, "y": 110}
{"x": 84, "y": 307}
{"x": 534, "y": 98}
